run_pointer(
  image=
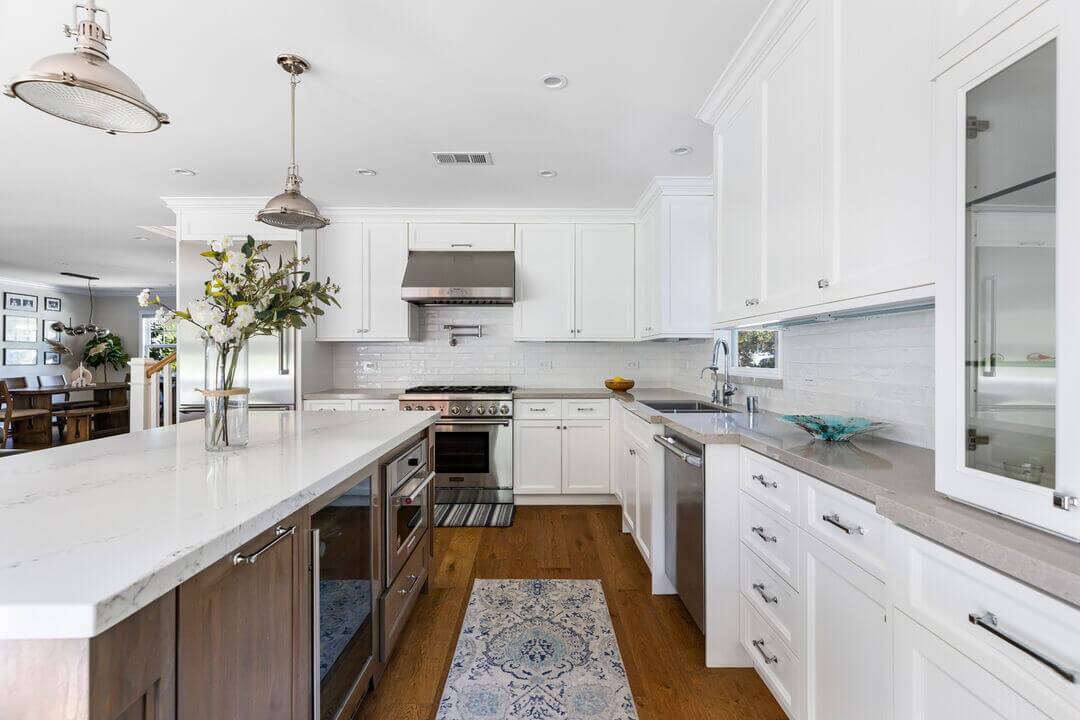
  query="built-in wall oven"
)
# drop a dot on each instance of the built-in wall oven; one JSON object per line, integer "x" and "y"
{"x": 346, "y": 583}
{"x": 408, "y": 513}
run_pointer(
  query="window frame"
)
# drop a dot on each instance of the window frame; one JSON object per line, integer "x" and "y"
{"x": 145, "y": 346}
{"x": 737, "y": 369}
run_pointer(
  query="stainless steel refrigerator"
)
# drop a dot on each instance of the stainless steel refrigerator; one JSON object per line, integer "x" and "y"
{"x": 272, "y": 359}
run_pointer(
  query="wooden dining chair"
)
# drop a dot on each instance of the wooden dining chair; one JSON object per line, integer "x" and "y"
{"x": 10, "y": 416}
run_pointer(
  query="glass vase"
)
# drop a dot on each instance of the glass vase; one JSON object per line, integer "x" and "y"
{"x": 225, "y": 395}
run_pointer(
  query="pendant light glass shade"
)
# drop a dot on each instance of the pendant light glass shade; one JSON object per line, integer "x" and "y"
{"x": 290, "y": 209}
{"x": 83, "y": 87}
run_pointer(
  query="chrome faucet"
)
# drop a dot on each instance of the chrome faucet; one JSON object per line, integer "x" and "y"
{"x": 723, "y": 398}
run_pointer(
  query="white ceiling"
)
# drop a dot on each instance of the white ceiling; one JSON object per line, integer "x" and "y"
{"x": 391, "y": 81}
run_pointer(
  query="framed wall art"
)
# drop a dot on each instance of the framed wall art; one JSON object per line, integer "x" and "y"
{"x": 52, "y": 357}
{"x": 20, "y": 302}
{"x": 47, "y": 333}
{"x": 20, "y": 328}
{"x": 20, "y": 356}
{"x": 53, "y": 304}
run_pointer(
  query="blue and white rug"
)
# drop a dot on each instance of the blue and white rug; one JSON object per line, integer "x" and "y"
{"x": 537, "y": 649}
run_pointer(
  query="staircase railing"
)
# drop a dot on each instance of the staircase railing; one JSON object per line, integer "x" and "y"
{"x": 153, "y": 402}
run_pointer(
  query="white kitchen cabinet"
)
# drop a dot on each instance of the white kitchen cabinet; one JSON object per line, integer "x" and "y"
{"x": 574, "y": 282}
{"x": 461, "y": 237}
{"x": 960, "y": 26}
{"x": 328, "y": 405}
{"x": 544, "y": 276}
{"x": 934, "y": 681}
{"x": 846, "y": 659}
{"x": 674, "y": 262}
{"x": 586, "y": 457}
{"x": 538, "y": 457}
{"x": 646, "y": 498}
{"x": 374, "y": 405}
{"x": 814, "y": 209}
{"x": 1007, "y": 379}
{"x": 627, "y": 469}
{"x": 604, "y": 288}
{"x": 354, "y": 405}
{"x": 368, "y": 261}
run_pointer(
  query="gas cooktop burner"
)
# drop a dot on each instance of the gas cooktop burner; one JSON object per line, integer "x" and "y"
{"x": 460, "y": 390}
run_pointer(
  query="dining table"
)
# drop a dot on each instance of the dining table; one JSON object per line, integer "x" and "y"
{"x": 106, "y": 414}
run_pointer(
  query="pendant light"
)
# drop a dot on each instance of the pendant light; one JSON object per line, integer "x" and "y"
{"x": 89, "y": 327}
{"x": 290, "y": 209}
{"x": 82, "y": 86}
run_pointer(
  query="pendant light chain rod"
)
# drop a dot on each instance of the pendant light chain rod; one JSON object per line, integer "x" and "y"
{"x": 293, "y": 82}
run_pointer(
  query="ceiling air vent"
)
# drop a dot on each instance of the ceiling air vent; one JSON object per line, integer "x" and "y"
{"x": 462, "y": 158}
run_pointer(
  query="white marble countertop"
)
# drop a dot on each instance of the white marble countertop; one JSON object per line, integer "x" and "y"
{"x": 92, "y": 532}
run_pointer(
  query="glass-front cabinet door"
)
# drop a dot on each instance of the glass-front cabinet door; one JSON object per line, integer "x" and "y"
{"x": 1004, "y": 318}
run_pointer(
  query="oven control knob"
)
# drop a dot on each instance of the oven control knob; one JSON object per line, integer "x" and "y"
{"x": 492, "y": 409}
{"x": 505, "y": 409}
{"x": 454, "y": 410}
{"x": 430, "y": 407}
{"x": 480, "y": 410}
{"x": 407, "y": 407}
{"x": 468, "y": 409}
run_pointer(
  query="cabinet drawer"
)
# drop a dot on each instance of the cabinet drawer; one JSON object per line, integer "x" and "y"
{"x": 461, "y": 237}
{"x": 847, "y": 524}
{"x": 538, "y": 409}
{"x": 399, "y": 599}
{"x": 961, "y": 600}
{"x": 774, "y": 661}
{"x": 384, "y": 405}
{"x": 327, "y": 405}
{"x": 585, "y": 409}
{"x": 774, "y": 539}
{"x": 772, "y": 597}
{"x": 775, "y": 485}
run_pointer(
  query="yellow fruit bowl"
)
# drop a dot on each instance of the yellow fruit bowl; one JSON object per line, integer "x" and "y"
{"x": 618, "y": 384}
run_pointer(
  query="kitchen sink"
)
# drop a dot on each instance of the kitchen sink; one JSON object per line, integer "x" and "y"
{"x": 686, "y": 406}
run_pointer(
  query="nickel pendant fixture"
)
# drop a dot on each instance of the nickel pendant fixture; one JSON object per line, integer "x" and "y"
{"x": 89, "y": 328}
{"x": 291, "y": 209}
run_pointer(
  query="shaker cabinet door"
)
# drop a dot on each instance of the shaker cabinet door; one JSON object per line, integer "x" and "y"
{"x": 386, "y": 315}
{"x": 544, "y": 273}
{"x": 604, "y": 279}
{"x": 339, "y": 252}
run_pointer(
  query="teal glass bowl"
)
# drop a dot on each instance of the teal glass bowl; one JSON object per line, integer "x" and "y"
{"x": 833, "y": 428}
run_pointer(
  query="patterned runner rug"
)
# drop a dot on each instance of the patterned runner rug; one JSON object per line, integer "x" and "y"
{"x": 537, "y": 649}
{"x": 474, "y": 515}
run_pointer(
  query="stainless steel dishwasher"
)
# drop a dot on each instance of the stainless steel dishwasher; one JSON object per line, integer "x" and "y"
{"x": 684, "y": 521}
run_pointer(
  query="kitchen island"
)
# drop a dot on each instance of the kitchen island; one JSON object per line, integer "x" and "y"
{"x": 96, "y": 537}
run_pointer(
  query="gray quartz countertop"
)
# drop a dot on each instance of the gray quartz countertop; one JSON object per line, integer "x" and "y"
{"x": 384, "y": 393}
{"x": 897, "y": 478}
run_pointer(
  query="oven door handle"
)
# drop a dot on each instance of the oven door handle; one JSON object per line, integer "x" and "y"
{"x": 477, "y": 423}
{"x": 411, "y": 499}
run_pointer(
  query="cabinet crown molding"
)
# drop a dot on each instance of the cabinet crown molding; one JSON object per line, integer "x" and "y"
{"x": 754, "y": 48}
{"x": 672, "y": 186}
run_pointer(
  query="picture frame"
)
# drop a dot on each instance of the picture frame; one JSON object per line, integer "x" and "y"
{"x": 20, "y": 328}
{"x": 20, "y": 356}
{"x": 53, "y": 304}
{"x": 20, "y": 302}
{"x": 47, "y": 333}
{"x": 52, "y": 357}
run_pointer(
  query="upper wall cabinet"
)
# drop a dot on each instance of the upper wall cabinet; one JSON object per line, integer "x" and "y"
{"x": 574, "y": 282}
{"x": 823, "y": 160}
{"x": 959, "y": 27}
{"x": 461, "y": 236}
{"x": 1007, "y": 345}
{"x": 368, "y": 261}
{"x": 673, "y": 264}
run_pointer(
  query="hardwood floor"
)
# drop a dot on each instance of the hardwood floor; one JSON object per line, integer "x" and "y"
{"x": 663, "y": 650}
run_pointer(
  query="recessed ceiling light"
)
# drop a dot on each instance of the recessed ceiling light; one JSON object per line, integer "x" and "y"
{"x": 547, "y": 173}
{"x": 366, "y": 172}
{"x": 682, "y": 150}
{"x": 183, "y": 171}
{"x": 554, "y": 82}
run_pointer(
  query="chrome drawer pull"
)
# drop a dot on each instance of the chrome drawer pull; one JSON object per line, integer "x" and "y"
{"x": 770, "y": 599}
{"x": 412, "y": 584}
{"x": 760, "y": 532}
{"x": 834, "y": 520}
{"x": 769, "y": 659}
{"x": 761, "y": 479}
{"x": 988, "y": 621}
{"x": 280, "y": 534}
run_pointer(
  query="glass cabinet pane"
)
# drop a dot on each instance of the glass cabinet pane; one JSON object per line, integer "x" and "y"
{"x": 1010, "y": 270}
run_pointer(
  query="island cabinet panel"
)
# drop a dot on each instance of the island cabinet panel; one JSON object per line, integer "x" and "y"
{"x": 126, "y": 673}
{"x": 243, "y": 645}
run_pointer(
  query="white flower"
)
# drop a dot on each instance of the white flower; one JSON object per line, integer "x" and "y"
{"x": 234, "y": 263}
{"x": 163, "y": 315}
{"x": 144, "y": 297}
{"x": 245, "y": 315}
{"x": 203, "y": 313}
{"x": 222, "y": 334}
{"x": 220, "y": 245}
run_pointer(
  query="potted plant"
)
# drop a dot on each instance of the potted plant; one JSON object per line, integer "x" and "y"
{"x": 245, "y": 296}
{"x": 105, "y": 351}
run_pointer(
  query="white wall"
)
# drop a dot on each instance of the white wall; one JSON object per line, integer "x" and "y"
{"x": 496, "y": 359}
{"x": 73, "y": 307}
{"x": 881, "y": 368}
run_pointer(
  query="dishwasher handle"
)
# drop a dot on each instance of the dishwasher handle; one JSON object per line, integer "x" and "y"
{"x": 672, "y": 446}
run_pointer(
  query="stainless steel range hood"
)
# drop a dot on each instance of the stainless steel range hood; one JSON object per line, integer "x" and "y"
{"x": 459, "y": 278}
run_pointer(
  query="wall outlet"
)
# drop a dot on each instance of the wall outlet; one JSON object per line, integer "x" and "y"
{"x": 545, "y": 364}
{"x": 634, "y": 364}
{"x": 369, "y": 366}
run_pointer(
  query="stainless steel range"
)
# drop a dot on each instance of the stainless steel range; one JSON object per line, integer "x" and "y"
{"x": 474, "y": 442}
